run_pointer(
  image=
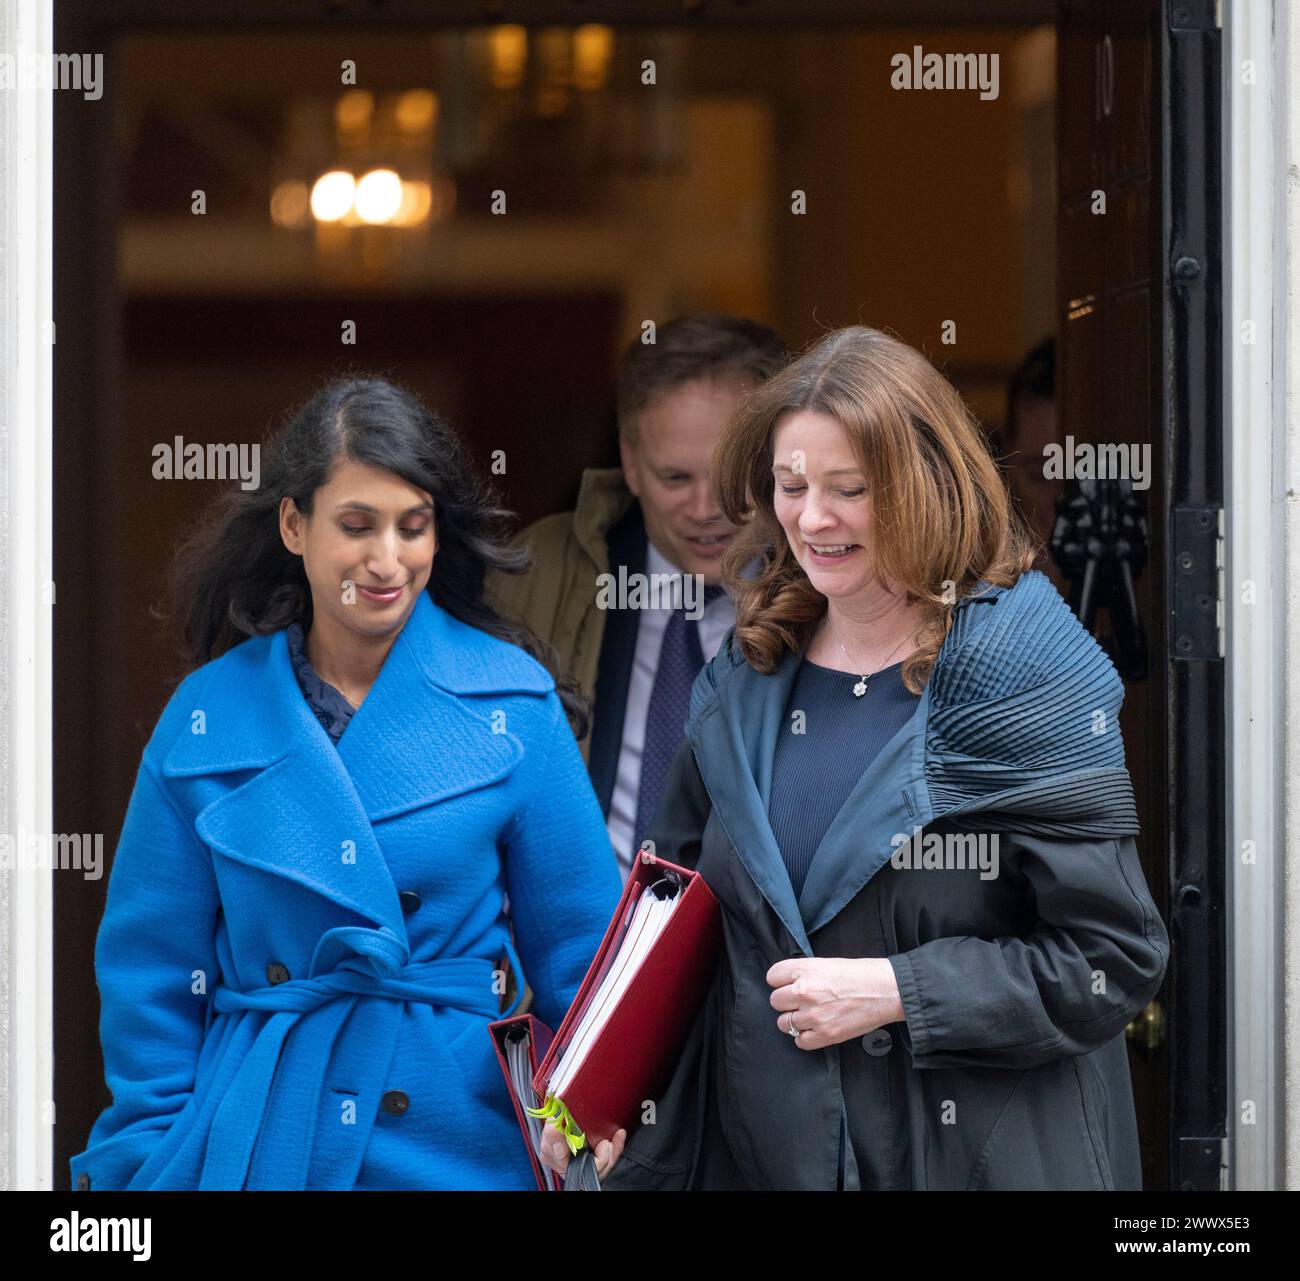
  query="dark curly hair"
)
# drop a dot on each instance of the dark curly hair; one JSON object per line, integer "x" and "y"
{"x": 234, "y": 578}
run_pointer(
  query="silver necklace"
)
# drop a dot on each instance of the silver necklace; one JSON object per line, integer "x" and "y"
{"x": 861, "y": 687}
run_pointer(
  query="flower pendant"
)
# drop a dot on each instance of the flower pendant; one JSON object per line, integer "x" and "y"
{"x": 860, "y": 688}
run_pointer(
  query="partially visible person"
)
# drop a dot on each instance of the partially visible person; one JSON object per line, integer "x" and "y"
{"x": 903, "y": 780}
{"x": 1029, "y": 427}
{"x": 656, "y": 515}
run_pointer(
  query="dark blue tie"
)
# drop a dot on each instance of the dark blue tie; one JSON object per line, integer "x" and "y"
{"x": 680, "y": 661}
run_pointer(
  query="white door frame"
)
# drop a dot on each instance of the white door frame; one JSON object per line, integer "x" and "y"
{"x": 26, "y": 599}
{"x": 1260, "y": 599}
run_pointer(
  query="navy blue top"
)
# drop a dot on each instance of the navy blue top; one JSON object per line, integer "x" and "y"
{"x": 331, "y": 708}
{"x": 813, "y": 772}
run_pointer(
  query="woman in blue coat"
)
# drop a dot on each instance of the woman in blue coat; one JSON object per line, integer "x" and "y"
{"x": 335, "y": 821}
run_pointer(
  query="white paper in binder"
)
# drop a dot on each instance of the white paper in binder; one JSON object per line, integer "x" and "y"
{"x": 649, "y": 918}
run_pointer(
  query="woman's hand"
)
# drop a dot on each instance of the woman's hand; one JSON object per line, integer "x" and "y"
{"x": 833, "y": 999}
{"x": 555, "y": 1151}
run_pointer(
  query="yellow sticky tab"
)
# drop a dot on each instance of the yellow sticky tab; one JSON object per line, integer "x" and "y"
{"x": 547, "y": 1110}
{"x": 554, "y": 1111}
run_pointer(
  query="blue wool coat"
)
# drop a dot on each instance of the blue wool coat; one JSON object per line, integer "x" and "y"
{"x": 298, "y": 958}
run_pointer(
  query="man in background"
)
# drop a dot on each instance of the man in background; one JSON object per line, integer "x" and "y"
{"x": 654, "y": 515}
{"x": 1029, "y": 428}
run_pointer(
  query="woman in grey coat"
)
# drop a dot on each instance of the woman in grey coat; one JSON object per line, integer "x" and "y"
{"x": 903, "y": 779}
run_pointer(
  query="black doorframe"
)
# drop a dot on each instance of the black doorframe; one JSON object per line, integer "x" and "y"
{"x": 1193, "y": 424}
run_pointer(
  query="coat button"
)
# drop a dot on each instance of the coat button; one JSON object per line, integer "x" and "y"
{"x": 410, "y": 901}
{"x": 277, "y": 973}
{"x": 878, "y": 1042}
{"x": 395, "y": 1103}
{"x": 83, "y": 1182}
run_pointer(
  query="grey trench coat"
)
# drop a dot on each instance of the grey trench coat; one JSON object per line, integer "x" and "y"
{"x": 1010, "y": 1070}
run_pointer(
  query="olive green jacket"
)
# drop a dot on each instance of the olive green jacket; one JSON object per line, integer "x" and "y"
{"x": 556, "y": 599}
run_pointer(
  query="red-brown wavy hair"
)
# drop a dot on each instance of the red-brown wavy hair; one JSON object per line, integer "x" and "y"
{"x": 941, "y": 516}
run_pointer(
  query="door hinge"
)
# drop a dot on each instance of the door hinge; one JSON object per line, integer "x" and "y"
{"x": 1195, "y": 15}
{"x": 1221, "y": 604}
{"x": 1199, "y": 632}
{"x": 1202, "y": 1163}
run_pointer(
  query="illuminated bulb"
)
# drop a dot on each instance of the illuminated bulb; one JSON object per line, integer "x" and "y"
{"x": 353, "y": 110}
{"x": 416, "y": 110}
{"x": 332, "y": 195}
{"x": 289, "y": 204}
{"x": 592, "y": 47}
{"x": 508, "y": 54}
{"x": 379, "y": 196}
{"x": 417, "y": 200}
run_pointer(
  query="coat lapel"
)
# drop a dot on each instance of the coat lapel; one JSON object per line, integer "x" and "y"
{"x": 415, "y": 740}
{"x": 735, "y": 739}
{"x": 306, "y": 813}
{"x": 627, "y": 548}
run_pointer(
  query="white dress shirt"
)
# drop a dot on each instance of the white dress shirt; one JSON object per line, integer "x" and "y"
{"x": 718, "y": 618}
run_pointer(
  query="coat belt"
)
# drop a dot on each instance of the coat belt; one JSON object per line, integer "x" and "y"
{"x": 459, "y": 982}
